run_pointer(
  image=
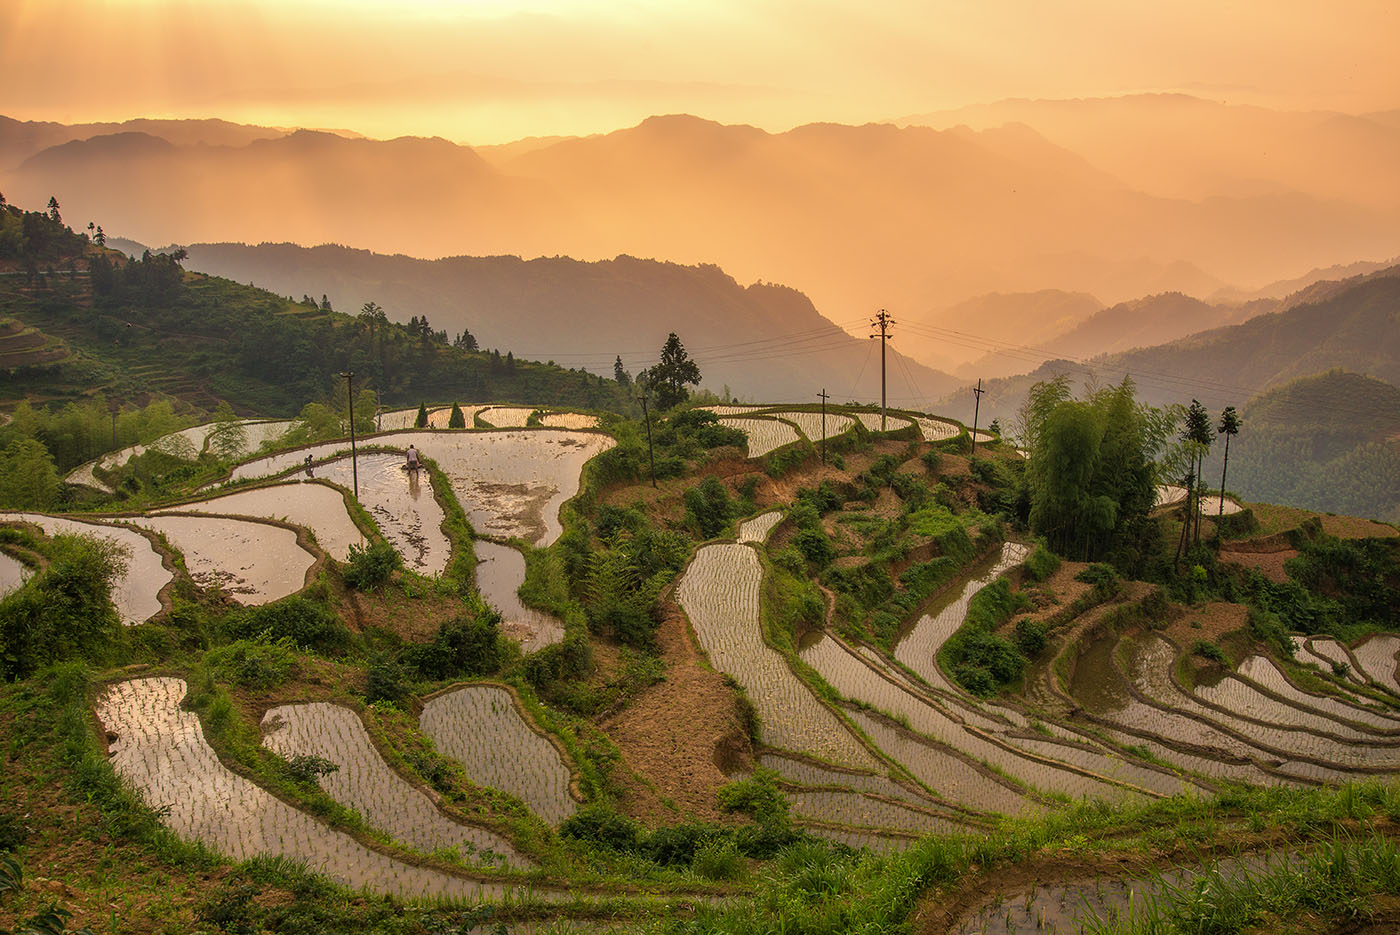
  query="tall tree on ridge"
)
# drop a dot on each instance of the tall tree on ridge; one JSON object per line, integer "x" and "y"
{"x": 1229, "y": 425}
{"x": 670, "y": 377}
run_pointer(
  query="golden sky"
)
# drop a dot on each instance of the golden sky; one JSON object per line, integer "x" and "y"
{"x": 485, "y": 71}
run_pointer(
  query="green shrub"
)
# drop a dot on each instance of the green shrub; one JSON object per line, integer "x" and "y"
{"x": 371, "y": 565}
{"x": 675, "y": 846}
{"x": 465, "y": 647}
{"x": 299, "y": 620}
{"x": 708, "y": 508}
{"x": 384, "y": 682}
{"x": 252, "y": 663}
{"x": 456, "y": 419}
{"x": 758, "y": 797}
{"x": 719, "y": 859}
{"x": 305, "y": 767}
{"x": 63, "y": 611}
{"x": 1042, "y": 563}
{"x": 1208, "y": 650}
{"x": 602, "y": 827}
{"x": 1030, "y": 638}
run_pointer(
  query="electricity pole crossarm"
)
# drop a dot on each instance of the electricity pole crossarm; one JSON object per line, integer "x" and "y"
{"x": 824, "y": 397}
{"x": 884, "y": 322}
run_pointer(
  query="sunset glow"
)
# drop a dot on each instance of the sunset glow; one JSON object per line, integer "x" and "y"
{"x": 493, "y": 70}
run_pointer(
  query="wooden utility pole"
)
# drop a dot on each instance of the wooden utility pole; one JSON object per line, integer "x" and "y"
{"x": 354, "y": 460}
{"x": 651, "y": 454}
{"x": 884, "y": 322}
{"x": 824, "y": 397}
{"x": 976, "y": 408}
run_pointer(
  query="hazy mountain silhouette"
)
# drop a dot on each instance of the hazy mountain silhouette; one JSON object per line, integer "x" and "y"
{"x": 20, "y": 139}
{"x": 909, "y": 219}
{"x": 1180, "y": 146}
{"x": 766, "y": 342}
{"x": 1353, "y": 325}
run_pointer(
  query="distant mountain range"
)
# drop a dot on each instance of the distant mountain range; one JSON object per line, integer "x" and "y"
{"x": 912, "y": 219}
{"x": 763, "y": 341}
{"x": 1353, "y": 324}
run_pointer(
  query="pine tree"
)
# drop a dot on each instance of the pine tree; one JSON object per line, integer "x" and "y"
{"x": 422, "y": 420}
{"x": 457, "y": 420}
{"x": 620, "y": 375}
{"x": 53, "y": 210}
{"x": 670, "y": 377}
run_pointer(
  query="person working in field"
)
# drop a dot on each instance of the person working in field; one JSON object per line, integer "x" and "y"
{"x": 412, "y": 464}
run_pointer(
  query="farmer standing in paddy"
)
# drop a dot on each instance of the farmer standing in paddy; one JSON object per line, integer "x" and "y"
{"x": 412, "y": 464}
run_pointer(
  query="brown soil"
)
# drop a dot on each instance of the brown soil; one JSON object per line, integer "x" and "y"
{"x": 1216, "y": 619}
{"x": 1268, "y": 564}
{"x": 415, "y": 619}
{"x": 676, "y": 734}
{"x": 1055, "y": 593}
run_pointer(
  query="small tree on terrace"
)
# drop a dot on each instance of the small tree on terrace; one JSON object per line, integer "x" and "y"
{"x": 421, "y": 420}
{"x": 669, "y": 378}
{"x": 1197, "y": 433}
{"x": 457, "y": 419}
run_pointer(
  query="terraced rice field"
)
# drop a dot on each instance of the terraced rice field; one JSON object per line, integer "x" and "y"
{"x": 918, "y": 649}
{"x": 856, "y": 810}
{"x": 397, "y": 420}
{"x": 871, "y": 421}
{"x": 569, "y": 420}
{"x": 1102, "y": 690}
{"x": 439, "y": 418}
{"x": 953, "y": 778}
{"x": 719, "y": 593}
{"x": 1210, "y": 506}
{"x": 1239, "y": 697}
{"x": 403, "y": 505}
{"x": 506, "y": 417}
{"x": 936, "y": 430}
{"x": 757, "y": 529}
{"x": 734, "y": 410}
{"x": 186, "y": 444}
{"x": 316, "y": 507}
{"x": 802, "y": 773}
{"x": 13, "y": 573}
{"x": 136, "y": 592}
{"x": 811, "y": 423}
{"x": 366, "y": 783}
{"x": 160, "y": 749}
{"x": 252, "y": 562}
{"x": 500, "y": 571}
{"x": 1376, "y": 657}
{"x": 1327, "y": 651}
{"x": 1303, "y": 753}
{"x": 1263, "y": 671}
{"x": 850, "y": 675}
{"x": 764, "y": 435}
{"x": 481, "y": 728}
{"x": 511, "y": 483}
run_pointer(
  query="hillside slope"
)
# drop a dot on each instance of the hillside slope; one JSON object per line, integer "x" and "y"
{"x": 763, "y": 341}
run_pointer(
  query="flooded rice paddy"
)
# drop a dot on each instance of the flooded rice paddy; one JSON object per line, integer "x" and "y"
{"x": 366, "y": 783}
{"x": 186, "y": 444}
{"x": 719, "y": 593}
{"x": 811, "y": 423}
{"x": 1376, "y": 656}
{"x": 936, "y": 430}
{"x": 1241, "y": 698}
{"x": 252, "y": 562}
{"x": 918, "y": 648}
{"x": 481, "y": 728}
{"x": 855, "y": 679}
{"x": 506, "y": 417}
{"x": 1329, "y": 652}
{"x": 440, "y": 418}
{"x": 569, "y": 420}
{"x": 13, "y": 574}
{"x": 764, "y": 435}
{"x": 872, "y": 422}
{"x": 757, "y": 529}
{"x": 316, "y": 507}
{"x": 402, "y": 504}
{"x": 511, "y": 483}
{"x": 500, "y": 571}
{"x": 160, "y": 749}
{"x": 1268, "y": 675}
{"x": 136, "y": 592}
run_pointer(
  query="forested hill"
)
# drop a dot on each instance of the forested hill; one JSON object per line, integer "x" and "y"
{"x": 1354, "y": 325}
{"x": 1329, "y": 442}
{"x": 763, "y": 341}
{"x": 146, "y": 327}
